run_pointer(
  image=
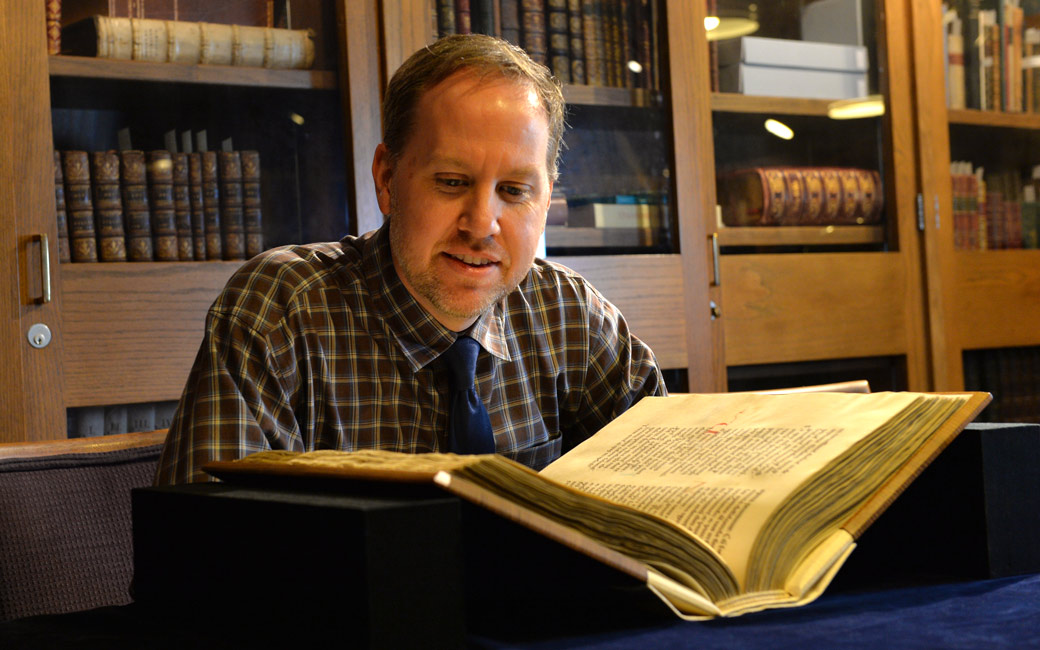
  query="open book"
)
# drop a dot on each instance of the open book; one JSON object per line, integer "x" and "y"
{"x": 722, "y": 504}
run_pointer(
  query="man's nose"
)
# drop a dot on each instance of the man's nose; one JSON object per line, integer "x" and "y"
{"x": 482, "y": 213}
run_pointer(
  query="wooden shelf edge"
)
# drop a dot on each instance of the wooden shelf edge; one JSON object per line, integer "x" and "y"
{"x": 801, "y": 235}
{"x": 95, "y": 68}
{"x": 994, "y": 118}
{"x": 738, "y": 103}
{"x": 606, "y": 96}
{"x": 134, "y": 269}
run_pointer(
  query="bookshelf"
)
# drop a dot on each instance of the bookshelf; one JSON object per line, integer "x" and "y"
{"x": 986, "y": 310}
{"x": 790, "y": 305}
{"x": 126, "y": 333}
{"x": 804, "y": 303}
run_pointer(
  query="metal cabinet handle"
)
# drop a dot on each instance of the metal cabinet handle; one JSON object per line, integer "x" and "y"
{"x": 45, "y": 268}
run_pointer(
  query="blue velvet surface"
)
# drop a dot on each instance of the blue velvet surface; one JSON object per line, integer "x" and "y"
{"x": 1002, "y": 613}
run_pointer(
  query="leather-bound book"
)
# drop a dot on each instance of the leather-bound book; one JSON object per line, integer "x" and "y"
{"x": 59, "y": 207}
{"x": 108, "y": 206}
{"x": 182, "y": 208}
{"x": 800, "y": 196}
{"x": 198, "y": 226}
{"x": 482, "y": 17}
{"x": 211, "y": 206}
{"x": 136, "y": 210}
{"x": 592, "y": 33}
{"x": 160, "y": 196}
{"x": 232, "y": 220}
{"x": 509, "y": 17}
{"x": 576, "y": 41}
{"x": 463, "y": 24}
{"x": 559, "y": 39}
{"x": 251, "y": 203}
{"x": 445, "y": 17}
{"x": 79, "y": 206}
{"x": 533, "y": 37}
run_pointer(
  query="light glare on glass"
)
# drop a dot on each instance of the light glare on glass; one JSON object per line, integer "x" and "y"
{"x": 779, "y": 129}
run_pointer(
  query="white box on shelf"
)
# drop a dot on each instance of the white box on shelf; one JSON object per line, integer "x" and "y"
{"x": 789, "y": 53}
{"x": 834, "y": 21}
{"x": 792, "y": 82}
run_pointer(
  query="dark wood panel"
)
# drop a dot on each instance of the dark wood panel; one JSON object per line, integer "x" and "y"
{"x": 133, "y": 329}
{"x": 782, "y": 308}
{"x": 648, "y": 289}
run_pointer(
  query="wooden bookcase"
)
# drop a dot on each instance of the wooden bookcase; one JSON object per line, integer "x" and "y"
{"x": 980, "y": 300}
{"x": 777, "y": 306}
{"x": 128, "y": 332}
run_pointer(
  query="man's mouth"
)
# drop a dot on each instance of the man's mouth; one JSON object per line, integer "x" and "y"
{"x": 471, "y": 260}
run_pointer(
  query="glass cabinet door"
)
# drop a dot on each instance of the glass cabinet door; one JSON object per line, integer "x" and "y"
{"x": 980, "y": 90}
{"x": 815, "y": 178}
{"x": 241, "y": 148}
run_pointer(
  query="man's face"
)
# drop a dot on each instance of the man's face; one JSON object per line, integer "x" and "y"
{"x": 467, "y": 197}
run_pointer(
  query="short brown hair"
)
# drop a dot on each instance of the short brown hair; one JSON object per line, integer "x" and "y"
{"x": 487, "y": 56}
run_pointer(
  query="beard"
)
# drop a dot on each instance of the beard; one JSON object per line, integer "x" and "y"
{"x": 421, "y": 279}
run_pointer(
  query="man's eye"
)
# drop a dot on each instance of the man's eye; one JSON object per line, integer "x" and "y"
{"x": 451, "y": 182}
{"x": 513, "y": 191}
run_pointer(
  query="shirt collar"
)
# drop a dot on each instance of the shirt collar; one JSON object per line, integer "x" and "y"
{"x": 420, "y": 337}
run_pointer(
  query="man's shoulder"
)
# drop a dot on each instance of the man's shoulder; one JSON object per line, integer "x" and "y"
{"x": 277, "y": 277}
{"x": 551, "y": 284}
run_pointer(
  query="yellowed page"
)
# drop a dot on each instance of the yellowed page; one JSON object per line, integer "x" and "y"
{"x": 718, "y": 465}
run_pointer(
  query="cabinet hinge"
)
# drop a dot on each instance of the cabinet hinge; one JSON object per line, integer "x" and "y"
{"x": 920, "y": 212}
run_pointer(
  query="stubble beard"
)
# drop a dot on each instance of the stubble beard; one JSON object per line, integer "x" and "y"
{"x": 425, "y": 282}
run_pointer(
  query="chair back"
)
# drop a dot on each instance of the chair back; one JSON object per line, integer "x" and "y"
{"x": 66, "y": 533}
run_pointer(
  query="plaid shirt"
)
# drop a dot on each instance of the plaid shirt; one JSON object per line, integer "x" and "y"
{"x": 322, "y": 347}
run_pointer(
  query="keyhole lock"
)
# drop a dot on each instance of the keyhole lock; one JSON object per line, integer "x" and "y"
{"x": 715, "y": 311}
{"x": 39, "y": 335}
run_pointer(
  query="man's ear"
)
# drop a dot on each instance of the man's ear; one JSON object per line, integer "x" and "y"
{"x": 382, "y": 172}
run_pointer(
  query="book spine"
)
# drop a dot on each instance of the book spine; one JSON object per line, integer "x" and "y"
{"x": 211, "y": 206}
{"x": 53, "y": 26}
{"x": 445, "y": 17}
{"x": 559, "y": 40}
{"x": 482, "y": 17}
{"x": 800, "y": 196}
{"x": 612, "y": 40}
{"x": 160, "y": 197}
{"x": 108, "y": 206}
{"x": 576, "y": 41}
{"x": 509, "y": 16}
{"x": 150, "y": 39}
{"x": 969, "y": 13}
{"x": 534, "y": 37}
{"x": 592, "y": 34}
{"x": 79, "y": 206}
{"x": 232, "y": 221}
{"x": 463, "y": 22}
{"x": 251, "y": 203}
{"x": 64, "y": 254}
{"x": 136, "y": 208}
{"x": 198, "y": 224}
{"x": 628, "y": 48}
{"x": 182, "y": 208}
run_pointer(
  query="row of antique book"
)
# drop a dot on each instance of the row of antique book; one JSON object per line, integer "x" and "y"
{"x": 994, "y": 210}
{"x": 590, "y": 42}
{"x": 993, "y": 56}
{"x": 90, "y": 421}
{"x": 137, "y": 206}
{"x": 800, "y": 196}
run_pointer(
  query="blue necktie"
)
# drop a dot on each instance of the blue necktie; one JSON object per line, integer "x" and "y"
{"x": 469, "y": 428}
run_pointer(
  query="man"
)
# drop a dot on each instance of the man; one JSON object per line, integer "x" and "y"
{"x": 344, "y": 345}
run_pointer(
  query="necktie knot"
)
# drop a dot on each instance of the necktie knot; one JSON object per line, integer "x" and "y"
{"x": 462, "y": 361}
